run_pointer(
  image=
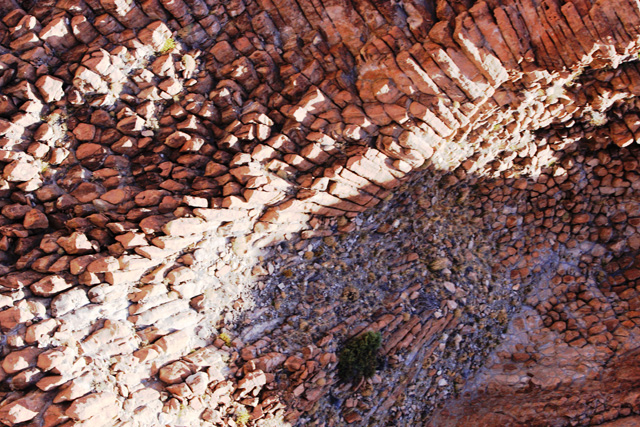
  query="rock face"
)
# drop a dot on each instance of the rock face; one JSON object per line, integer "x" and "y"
{"x": 150, "y": 148}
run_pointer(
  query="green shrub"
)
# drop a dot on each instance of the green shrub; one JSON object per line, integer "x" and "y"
{"x": 226, "y": 338}
{"x": 242, "y": 417}
{"x": 168, "y": 46}
{"x": 359, "y": 357}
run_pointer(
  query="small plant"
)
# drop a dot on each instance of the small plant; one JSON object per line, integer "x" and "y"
{"x": 598, "y": 119}
{"x": 359, "y": 358}
{"x": 44, "y": 166}
{"x": 242, "y": 417}
{"x": 226, "y": 338}
{"x": 168, "y": 45}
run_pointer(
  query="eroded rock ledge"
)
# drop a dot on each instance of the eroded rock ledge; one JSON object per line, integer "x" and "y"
{"x": 150, "y": 148}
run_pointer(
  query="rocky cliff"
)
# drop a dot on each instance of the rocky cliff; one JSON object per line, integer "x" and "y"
{"x": 201, "y": 201}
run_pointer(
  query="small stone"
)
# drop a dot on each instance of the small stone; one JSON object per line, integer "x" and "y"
{"x": 180, "y": 275}
{"x": 155, "y": 35}
{"x": 50, "y": 88}
{"x": 54, "y": 359}
{"x": 23, "y": 409}
{"x": 293, "y": 363}
{"x": 251, "y": 381}
{"x": 50, "y": 286}
{"x": 103, "y": 265}
{"x": 35, "y": 219}
{"x": 20, "y": 171}
{"x": 352, "y": 417}
{"x": 131, "y": 125}
{"x": 84, "y": 132}
{"x": 22, "y": 359}
{"x": 76, "y": 243}
{"x": 131, "y": 240}
{"x": 68, "y": 301}
{"x": 95, "y": 404}
{"x": 174, "y": 373}
{"x": 450, "y": 287}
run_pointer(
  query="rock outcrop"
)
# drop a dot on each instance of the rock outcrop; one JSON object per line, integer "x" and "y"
{"x": 150, "y": 148}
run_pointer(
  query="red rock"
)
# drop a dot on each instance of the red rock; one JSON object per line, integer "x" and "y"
{"x": 83, "y": 30}
{"x": 58, "y": 155}
{"x": 23, "y": 409}
{"x": 129, "y": 14}
{"x": 99, "y": 62}
{"x": 149, "y": 197}
{"x": 76, "y": 243}
{"x": 385, "y": 91}
{"x": 95, "y": 404}
{"x": 171, "y": 86}
{"x": 163, "y": 66}
{"x": 223, "y": 52}
{"x": 113, "y": 332}
{"x": 21, "y": 359}
{"x": 37, "y": 332}
{"x": 202, "y": 358}
{"x": 181, "y": 391}
{"x": 131, "y": 240}
{"x": 115, "y": 196}
{"x": 251, "y": 383}
{"x": 25, "y": 42}
{"x": 177, "y": 139}
{"x": 76, "y": 388}
{"x": 293, "y": 363}
{"x": 131, "y": 125}
{"x": 54, "y": 415}
{"x": 50, "y": 285}
{"x": 313, "y": 394}
{"x": 85, "y": 132}
{"x": 35, "y": 219}
{"x": 20, "y": 171}
{"x": 198, "y": 382}
{"x": 38, "y": 150}
{"x": 68, "y": 301}
{"x": 180, "y": 275}
{"x": 174, "y": 373}
{"x": 15, "y": 211}
{"x": 632, "y": 274}
{"x": 620, "y": 134}
{"x": 56, "y": 360}
{"x": 50, "y": 88}
{"x": 155, "y": 35}
{"x": 26, "y": 378}
{"x": 352, "y": 417}
{"x": 582, "y": 218}
{"x": 58, "y": 34}
{"x": 14, "y": 316}
{"x": 87, "y": 81}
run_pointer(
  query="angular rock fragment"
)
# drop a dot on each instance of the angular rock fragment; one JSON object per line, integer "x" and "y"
{"x": 51, "y": 285}
{"x": 51, "y": 88}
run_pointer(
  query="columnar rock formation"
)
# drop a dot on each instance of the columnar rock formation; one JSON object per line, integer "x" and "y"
{"x": 149, "y": 148}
